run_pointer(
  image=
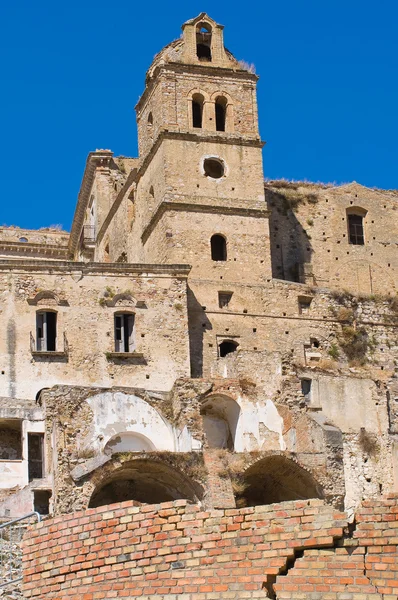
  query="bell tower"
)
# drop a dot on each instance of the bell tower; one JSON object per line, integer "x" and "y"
{"x": 201, "y": 176}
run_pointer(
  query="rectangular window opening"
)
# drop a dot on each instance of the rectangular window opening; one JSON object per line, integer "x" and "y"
{"x": 355, "y": 230}
{"x": 224, "y": 298}
{"x": 36, "y": 455}
{"x": 46, "y": 331}
{"x": 306, "y": 389}
{"x": 124, "y": 333}
{"x": 41, "y": 501}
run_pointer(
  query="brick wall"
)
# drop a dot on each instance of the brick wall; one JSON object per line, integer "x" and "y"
{"x": 175, "y": 550}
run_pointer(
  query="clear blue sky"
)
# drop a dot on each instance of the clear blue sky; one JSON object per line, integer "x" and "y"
{"x": 71, "y": 73}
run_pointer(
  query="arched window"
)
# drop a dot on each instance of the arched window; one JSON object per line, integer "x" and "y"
{"x": 203, "y": 42}
{"x": 46, "y": 331}
{"x": 227, "y": 347}
{"x": 150, "y": 119}
{"x": 221, "y": 113}
{"x": 197, "y": 110}
{"x": 218, "y": 245}
{"x": 151, "y": 192}
{"x": 355, "y": 218}
{"x": 124, "y": 332}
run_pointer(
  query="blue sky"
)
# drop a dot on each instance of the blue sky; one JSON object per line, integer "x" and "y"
{"x": 73, "y": 71}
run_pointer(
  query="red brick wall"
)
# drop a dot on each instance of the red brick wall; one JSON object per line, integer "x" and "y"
{"x": 123, "y": 551}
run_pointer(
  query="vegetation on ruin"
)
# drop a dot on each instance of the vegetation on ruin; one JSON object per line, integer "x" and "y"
{"x": 368, "y": 442}
{"x": 356, "y": 343}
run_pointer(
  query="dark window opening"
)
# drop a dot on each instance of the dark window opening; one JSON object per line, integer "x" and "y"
{"x": 151, "y": 192}
{"x": 10, "y": 439}
{"x": 36, "y": 455}
{"x": 218, "y": 247}
{"x": 227, "y": 346}
{"x": 224, "y": 298}
{"x": 203, "y": 42}
{"x": 196, "y": 114}
{"x": 46, "y": 331}
{"x": 197, "y": 110}
{"x": 124, "y": 329}
{"x": 41, "y": 501}
{"x": 306, "y": 389}
{"x": 355, "y": 230}
{"x": 221, "y": 113}
{"x": 213, "y": 168}
{"x": 150, "y": 119}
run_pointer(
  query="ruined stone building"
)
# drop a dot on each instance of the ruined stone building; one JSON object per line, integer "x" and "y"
{"x": 202, "y": 334}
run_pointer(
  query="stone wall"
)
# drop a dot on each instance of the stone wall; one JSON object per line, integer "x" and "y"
{"x": 301, "y": 549}
{"x": 309, "y": 231}
{"x": 85, "y": 299}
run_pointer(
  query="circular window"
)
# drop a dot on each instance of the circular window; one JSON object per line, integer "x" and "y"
{"x": 213, "y": 168}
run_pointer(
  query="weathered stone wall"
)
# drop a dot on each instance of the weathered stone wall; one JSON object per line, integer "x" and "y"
{"x": 309, "y": 227}
{"x": 287, "y": 550}
{"x": 85, "y": 300}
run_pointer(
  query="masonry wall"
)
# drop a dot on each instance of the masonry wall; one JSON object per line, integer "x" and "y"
{"x": 290, "y": 550}
{"x": 308, "y": 225}
{"x": 85, "y": 302}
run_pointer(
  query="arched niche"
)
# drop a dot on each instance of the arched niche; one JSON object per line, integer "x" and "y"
{"x": 277, "y": 478}
{"x": 129, "y": 441}
{"x": 146, "y": 481}
{"x": 118, "y": 413}
{"x": 220, "y": 416}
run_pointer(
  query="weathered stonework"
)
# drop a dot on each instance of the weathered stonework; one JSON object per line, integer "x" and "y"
{"x": 201, "y": 335}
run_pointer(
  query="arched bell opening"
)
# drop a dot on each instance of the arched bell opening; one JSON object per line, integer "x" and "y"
{"x": 203, "y": 42}
{"x": 198, "y": 102}
{"x": 146, "y": 482}
{"x": 220, "y": 419}
{"x": 276, "y": 478}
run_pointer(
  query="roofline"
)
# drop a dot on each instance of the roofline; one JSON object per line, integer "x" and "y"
{"x": 94, "y": 159}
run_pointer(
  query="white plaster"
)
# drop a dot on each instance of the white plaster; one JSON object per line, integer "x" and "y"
{"x": 247, "y": 436}
{"x": 119, "y": 413}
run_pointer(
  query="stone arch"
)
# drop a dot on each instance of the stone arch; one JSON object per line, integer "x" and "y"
{"x": 204, "y": 34}
{"x": 224, "y": 100}
{"x": 146, "y": 480}
{"x": 220, "y": 414}
{"x": 198, "y": 96}
{"x": 278, "y": 478}
{"x": 122, "y": 299}
{"x": 47, "y": 297}
{"x": 364, "y": 276}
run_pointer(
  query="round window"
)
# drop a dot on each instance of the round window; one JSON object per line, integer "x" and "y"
{"x": 213, "y": 168}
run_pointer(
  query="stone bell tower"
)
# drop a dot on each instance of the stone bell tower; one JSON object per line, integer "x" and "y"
{"x": 200, "y": 197}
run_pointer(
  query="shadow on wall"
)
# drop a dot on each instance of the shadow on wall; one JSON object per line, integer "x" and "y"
{"x": 198, "y": 323}
{"x": 145, "y": 481}
{"x": 276, "y": 478}
{"x": 291, "y": 247}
